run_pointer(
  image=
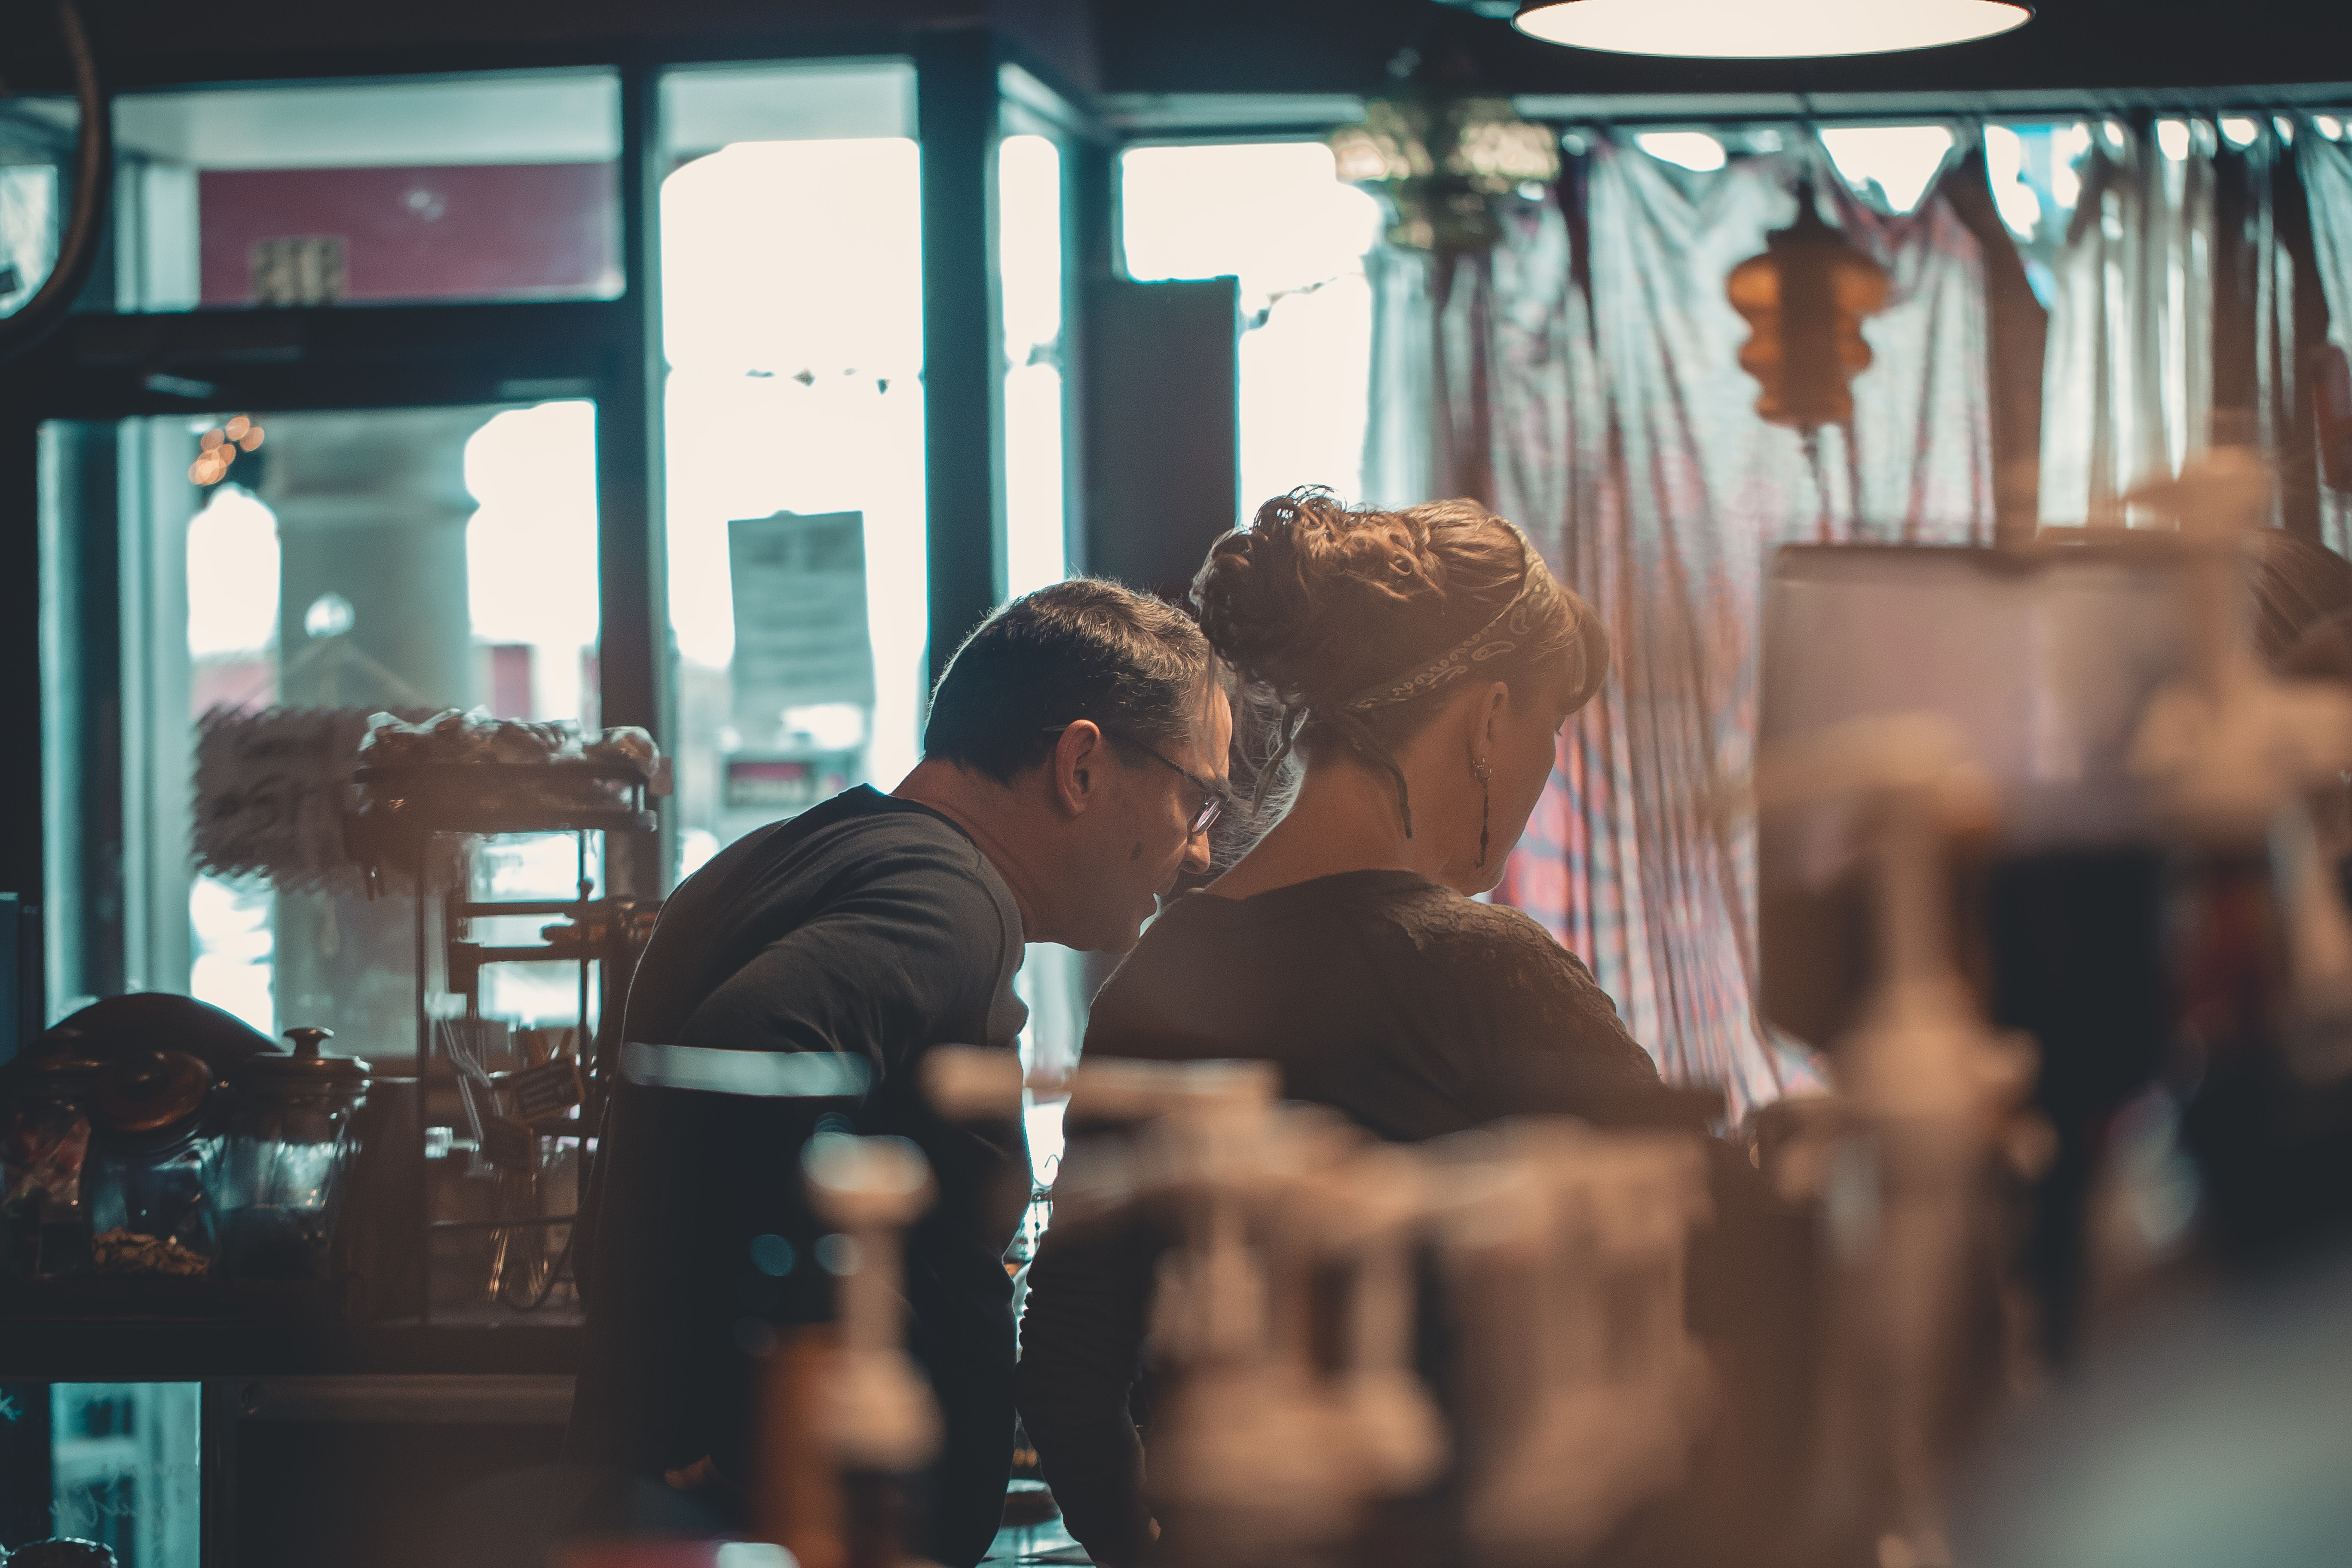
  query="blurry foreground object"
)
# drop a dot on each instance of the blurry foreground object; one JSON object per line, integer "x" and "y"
{"x": 1905, "y": 1164}
{"x": 2083, "y": 754}
{"x": 2217, "y": 1437}
{"x": 2044, "y": 661}
{"x": 1804, "y": 300}
{"x": 873, "y": 1413}
{"x": 1563, "y": 1267}
{"x": 2262, "y": 943}
{"x": 1583, "y": 1393}
{"x": 1745, "y": 30}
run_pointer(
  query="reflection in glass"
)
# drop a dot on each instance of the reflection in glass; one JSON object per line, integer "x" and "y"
{"x": 124, "y": 1468}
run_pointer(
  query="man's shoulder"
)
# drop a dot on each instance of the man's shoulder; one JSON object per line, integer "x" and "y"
{"x": 859, "y": 838}
{"x": 862, "y": 826}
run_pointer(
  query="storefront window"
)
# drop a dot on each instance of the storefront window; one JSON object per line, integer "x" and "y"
{"x": 793, "y": 326}
{"x": 446, "y": 188}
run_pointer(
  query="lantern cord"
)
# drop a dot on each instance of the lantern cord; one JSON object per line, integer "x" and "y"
{"x": 1853, "y": 485}
{"x": 1812, "y": 436}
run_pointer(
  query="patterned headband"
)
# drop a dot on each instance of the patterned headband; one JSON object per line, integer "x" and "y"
{"x": 1516, "y": 625}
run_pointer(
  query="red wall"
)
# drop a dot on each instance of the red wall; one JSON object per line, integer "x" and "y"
{"x": 471, "y": 232}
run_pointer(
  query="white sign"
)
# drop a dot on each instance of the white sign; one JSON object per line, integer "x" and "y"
{"x": 801, "y": 638}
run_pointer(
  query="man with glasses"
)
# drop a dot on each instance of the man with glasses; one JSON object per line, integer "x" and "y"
{"x": 1071, "y": 770}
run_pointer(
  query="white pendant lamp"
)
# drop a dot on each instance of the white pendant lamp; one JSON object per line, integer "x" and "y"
{"x": 1765, "y": 29}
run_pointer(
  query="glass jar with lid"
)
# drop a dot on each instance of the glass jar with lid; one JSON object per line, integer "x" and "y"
{"x": 154, "y": 1162}
{"x": 44, "y": 1148}
{"x": 289, "y": 1146}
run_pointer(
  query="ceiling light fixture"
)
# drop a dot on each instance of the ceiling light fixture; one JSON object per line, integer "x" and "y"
{"x": 1443, "y": 158}
{"x": 1765, "y": 29}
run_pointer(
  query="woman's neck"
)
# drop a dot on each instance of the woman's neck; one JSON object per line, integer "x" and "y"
{"x": 1345, "y": 818}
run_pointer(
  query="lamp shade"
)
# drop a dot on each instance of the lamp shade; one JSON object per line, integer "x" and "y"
{"x": 1804, "y": 300}
{"x": 1765, "y": 29}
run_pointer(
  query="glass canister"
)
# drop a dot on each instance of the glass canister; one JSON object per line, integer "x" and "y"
{"x": 290, "y": 1145}
{"x": 44, "y": 1219}
{"x": 154, "y": 1163}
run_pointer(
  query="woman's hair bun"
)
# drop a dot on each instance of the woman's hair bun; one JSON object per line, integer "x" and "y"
{"x": 1309, "y": 598}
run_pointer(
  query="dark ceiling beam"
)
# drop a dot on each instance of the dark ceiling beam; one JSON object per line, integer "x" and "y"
{"x": 1346, "y": 46}
{"x": 157, "y": 43}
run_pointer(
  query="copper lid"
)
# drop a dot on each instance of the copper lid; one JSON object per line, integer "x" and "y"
{"x": 144, "y": 1091}
{"x": 307, "y": 1064}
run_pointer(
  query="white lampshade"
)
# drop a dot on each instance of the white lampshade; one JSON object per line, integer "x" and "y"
{"x": 1765, "y": 29}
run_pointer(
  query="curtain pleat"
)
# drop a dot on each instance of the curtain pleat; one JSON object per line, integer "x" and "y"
{"x": 2327, "y": 169}
{"x": 2127, "y": 385}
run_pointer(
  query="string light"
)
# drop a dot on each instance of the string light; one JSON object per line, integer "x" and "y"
{"x": 217, "y": 449}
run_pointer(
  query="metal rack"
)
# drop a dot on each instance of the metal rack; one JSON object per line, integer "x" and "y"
{"x": 407, "y": 810}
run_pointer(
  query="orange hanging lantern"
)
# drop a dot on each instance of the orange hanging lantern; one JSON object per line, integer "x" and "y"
{"x": 1804, "y": 300}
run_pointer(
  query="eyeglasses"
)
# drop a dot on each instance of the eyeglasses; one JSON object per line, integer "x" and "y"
{"x": 1213, "y": 794}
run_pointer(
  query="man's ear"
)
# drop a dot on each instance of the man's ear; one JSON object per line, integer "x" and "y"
{"x": 1074, "y": 769}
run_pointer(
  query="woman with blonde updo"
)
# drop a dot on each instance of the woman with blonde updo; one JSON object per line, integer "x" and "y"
{"x": 1422, "y": 664}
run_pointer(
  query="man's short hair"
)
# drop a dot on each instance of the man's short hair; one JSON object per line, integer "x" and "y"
{"x": 1083, "y": 649}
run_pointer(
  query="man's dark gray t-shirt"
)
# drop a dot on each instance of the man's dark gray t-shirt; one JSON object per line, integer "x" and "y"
{"x": 868, "y": 926}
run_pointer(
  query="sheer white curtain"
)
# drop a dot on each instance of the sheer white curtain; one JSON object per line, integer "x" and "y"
{"x": 2127, "y": 383}
{"x": 1589, "y": 389}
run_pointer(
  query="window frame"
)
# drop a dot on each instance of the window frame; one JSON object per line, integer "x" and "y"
{"x": 102, "y": 364}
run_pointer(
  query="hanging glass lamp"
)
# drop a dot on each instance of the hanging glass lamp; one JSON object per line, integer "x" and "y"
{"x": 1440, "y": 160}
{"x": 1766, "y": 30}
{"x": 1804, "y": 300}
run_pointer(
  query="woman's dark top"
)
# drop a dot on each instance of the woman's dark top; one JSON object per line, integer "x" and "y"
{"x": 1412, "y": 1010}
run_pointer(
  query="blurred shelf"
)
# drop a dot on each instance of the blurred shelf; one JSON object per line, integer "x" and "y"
{"x": 93, "y": 1330}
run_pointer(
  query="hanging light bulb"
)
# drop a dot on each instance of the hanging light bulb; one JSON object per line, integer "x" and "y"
{"x": 1804, "y": 300}
{"x": 1441, "y": 161}
{"x": 1444, "y": 151}
{"x": 1766, "y": 30}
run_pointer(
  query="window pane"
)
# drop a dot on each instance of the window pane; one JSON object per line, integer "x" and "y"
{"x": 1275, "y": 215}
{"x": 1031, "y": 280}
{"x": 1892, "y": 167}
{"x": 398, "y": 559}
{"x": 791, "y": 315}
{"x": 434, "y": 188}
{"x": 1029, "y": 261}
{"x": 2036, "y": 170}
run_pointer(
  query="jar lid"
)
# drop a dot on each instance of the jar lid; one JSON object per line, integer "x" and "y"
{"x": 307, "y": 1064}
{"x": 145, "y": 1091}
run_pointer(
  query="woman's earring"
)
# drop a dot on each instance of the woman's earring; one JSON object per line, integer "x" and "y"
{"x": 1485, "y": 803}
